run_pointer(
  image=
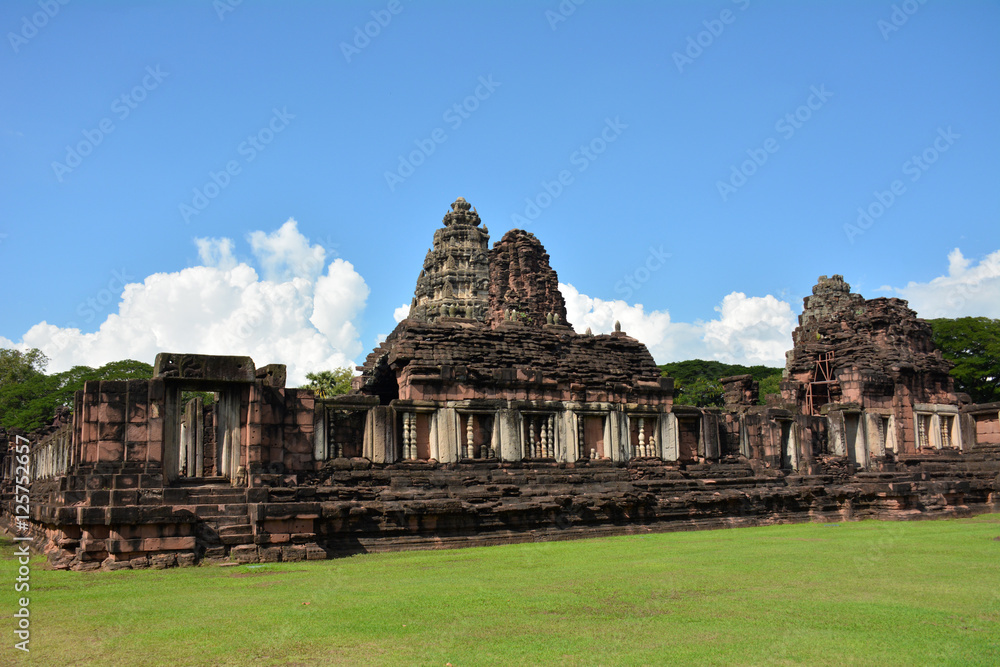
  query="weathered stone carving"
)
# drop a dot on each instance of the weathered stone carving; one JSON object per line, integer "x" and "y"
{"x": 521, "y": 280}
{"x": 864, "y": 350}
{"x": 455, "y": 277}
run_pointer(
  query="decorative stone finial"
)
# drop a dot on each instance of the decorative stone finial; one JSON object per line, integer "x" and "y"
{"x": 589, "y": 332}
{"x": 618, "y": 326}
{"x": 460, "y": 214}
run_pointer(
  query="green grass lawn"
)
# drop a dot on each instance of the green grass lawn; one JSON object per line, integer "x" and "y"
{"x": 864, "y": 593}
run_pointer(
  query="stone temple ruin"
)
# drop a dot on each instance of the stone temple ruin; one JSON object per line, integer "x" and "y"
{"x": 484, "y": 418}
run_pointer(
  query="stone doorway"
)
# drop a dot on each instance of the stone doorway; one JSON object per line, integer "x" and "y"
{"x": 231, "y": 380}
{"x": 688, "y": 431}
{"x": 203, "y": 445}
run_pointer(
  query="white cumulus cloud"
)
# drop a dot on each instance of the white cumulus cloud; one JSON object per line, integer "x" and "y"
{"x": 216, "y": 252}
{"x": 286, "y": 253}
{"x": 970, "y": 289}
{"x": 293, "y": 316}
{"x": 749, "y": 330}
{"x": 400, "y": 313}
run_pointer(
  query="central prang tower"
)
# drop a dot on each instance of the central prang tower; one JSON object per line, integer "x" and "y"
{"x": 455, "y": 280}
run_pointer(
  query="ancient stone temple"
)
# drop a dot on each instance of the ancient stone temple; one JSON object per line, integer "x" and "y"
{"x": 871, "y": 368}
{"x": 485, "y": 418}
{"x": 505, "y": 377}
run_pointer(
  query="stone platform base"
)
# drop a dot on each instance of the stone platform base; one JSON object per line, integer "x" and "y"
{"x": 352, "y": 506}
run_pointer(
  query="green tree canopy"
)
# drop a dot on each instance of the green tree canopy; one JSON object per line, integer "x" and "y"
{"x": 17, "y": 366}
{"x": 696, "y": 382}
{"x": 330, "y": 383}
{"x": 973, "y": 345}
{"x": 32, "y": 402}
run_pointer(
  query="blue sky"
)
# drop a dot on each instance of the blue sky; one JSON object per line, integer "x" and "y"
{"x": 713, "y": 157}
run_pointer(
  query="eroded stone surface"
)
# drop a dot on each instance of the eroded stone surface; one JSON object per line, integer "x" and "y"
{"x": 872, "y": 335}
{"x": 454, "y": 281}
{"x": 523, "y": 287}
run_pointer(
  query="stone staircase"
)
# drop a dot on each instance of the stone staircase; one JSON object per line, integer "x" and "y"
{"x": 223, "y": 513}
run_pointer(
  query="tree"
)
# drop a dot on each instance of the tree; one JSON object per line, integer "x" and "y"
{"x": 17, "y": 366}
{"x": 696, "y": 381}
{"x": 330, "y": 383}
{"x": 701, "y": 392}
{"x": 973, "y": 345}
{"x": 32, "y": 402}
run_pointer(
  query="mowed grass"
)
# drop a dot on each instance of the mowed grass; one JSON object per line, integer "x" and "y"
{"x": 859, "y": 593}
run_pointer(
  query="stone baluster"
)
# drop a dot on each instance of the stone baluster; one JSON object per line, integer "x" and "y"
{"x": 581, "y": 442}
{"x": 470, "y": 449}
{"x": 642, "y": 437}
{"x": 536, "y": 438}
{"x": 551, "y": 451}
{"x": 406, "y": 436}
{"x": 652, "y": 441}
{"x": 408, "y": 448}
{"x": 543, "y": 449}
{"x": 413, "y": 436}
{"x": 529, "y": 444}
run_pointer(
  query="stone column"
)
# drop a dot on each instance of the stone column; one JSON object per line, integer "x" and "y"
{"x": 495, "y": 438}
{"x": 320, "y": 447}
{"x": 874, "y": 442}
{"x": 566, "y": 433}
{"x": 709, "y": 436}
{"x": 617, "y": 443}
{"x": 836, "y": 437}
{"x": 171, "y": 433}
{"x": 744, "y": 436}
{"x": 669, "y": 445}
{"x": 380, "y": 435}
{"x": 510, "y": 448}
{"x": 793, "y": 445}
{"x": 445, "y": 435}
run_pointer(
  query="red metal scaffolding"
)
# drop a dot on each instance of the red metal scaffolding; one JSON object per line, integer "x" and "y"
{"x": 818, "y": 390}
